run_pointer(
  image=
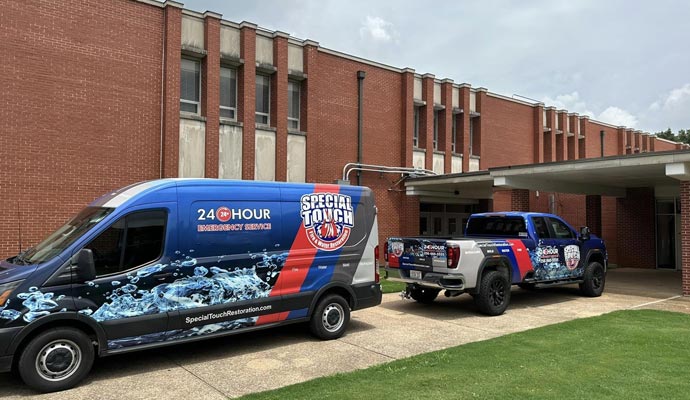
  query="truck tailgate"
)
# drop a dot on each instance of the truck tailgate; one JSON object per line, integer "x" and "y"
{"x": 420, "y": 254}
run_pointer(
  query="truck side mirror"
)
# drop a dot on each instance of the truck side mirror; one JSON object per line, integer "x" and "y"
{"x": 85, "y": 267}
{"x": 584, "y": 234}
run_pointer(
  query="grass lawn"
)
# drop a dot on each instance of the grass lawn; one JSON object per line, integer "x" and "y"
{"x": 641, "y": 354}
{"x": 389, "y": 286}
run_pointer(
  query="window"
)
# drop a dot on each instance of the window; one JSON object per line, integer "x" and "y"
{"x": 132, "y": 241}
{"x": 436, "y": 117}
{"x": 497, "y": 226}
{"x": 454, "y": 132}
{"x": 561, "y": 230}
{"x": 541, "y": 228}
{"x": 190, "y": 86}
{"x": 263, "y": 99}
{"x": 293, "y": 105}
{"x": 415, "y": 134}
{"x": 228, "y": 93}
{"x": 473, "y": 131}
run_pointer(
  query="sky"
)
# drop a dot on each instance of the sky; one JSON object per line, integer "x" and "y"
{"x": 620, "y": 62}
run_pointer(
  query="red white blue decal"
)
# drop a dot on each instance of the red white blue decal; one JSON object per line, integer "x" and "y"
{"x": 328, "y": 219}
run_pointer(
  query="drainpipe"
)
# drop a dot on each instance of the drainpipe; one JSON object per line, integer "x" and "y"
{"x": 601, "y": 134}
{"x": 360, "y": 90}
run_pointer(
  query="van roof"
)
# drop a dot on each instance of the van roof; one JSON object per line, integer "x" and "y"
{"x": 121, "y": 196}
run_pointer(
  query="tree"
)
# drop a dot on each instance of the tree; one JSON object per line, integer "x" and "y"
{"x": 683, "y": 135}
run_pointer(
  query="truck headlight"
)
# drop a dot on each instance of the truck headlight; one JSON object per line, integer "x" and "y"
{"x": 6, "y": 290}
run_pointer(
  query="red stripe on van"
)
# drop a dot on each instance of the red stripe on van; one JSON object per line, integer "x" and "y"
{"x": 296, "y": 267}
{"x": 521, "y": 256}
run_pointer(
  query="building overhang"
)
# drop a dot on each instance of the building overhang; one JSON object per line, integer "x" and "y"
{"x": 608, "y": 176}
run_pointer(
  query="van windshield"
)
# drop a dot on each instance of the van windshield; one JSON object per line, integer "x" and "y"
{"x": 64, "y": 236}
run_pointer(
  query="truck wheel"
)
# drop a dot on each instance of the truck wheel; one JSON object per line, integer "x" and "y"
{"x": 330, "y": 318}
{"x": 56, "y": 359}
{"x": 422, "y": 294}
{"x": 494, "y": 293}
{"x": 594, "y": 280}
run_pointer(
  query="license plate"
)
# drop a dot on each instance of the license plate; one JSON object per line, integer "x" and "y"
{"x": 416, "y": 274}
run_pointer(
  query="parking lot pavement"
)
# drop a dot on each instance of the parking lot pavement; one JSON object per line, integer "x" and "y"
{"x": 237, "y": 365}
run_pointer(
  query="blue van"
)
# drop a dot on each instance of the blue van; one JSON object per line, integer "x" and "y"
{"x": 177, "y": 260}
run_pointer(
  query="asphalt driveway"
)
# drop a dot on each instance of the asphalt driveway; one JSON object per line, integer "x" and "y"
{"x": 236, "y": 365}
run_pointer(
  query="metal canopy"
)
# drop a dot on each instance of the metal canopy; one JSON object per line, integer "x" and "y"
{"x": 609, "y": 176}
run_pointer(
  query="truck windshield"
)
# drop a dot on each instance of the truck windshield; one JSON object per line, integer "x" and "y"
{"x": 65, "y": 235}
{"x": 497, "y": 226}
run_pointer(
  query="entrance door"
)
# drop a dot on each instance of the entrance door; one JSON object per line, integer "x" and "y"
{"x": 667, "y": 234}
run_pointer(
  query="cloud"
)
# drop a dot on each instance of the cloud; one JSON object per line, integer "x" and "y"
{"x": 378, "y": 29}
{"x": 570, "y": 102}
{"x": 573, "y": 103}
{"x": 618, "y": 116}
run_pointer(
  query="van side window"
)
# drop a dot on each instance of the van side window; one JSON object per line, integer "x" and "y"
{"x": 560, "y": 229}
{"x": 133, "y": 240}
{"x": 540, "y": 227}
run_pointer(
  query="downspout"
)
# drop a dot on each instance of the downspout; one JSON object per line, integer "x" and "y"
{"x": 601, "y": 135}
{"x": 360, "y": 109}
{"x": 165, "y": 20}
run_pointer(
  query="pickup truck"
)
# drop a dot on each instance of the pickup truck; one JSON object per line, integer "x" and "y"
{"x": 499, "y": 250}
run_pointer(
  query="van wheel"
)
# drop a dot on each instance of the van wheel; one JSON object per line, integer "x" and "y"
{"x": 56, "y": 360}
{"x": 330, "y": 317}
{"x": 422, "y": 294}
{"x": 494, "y": 293}
{"x": 594, "y": 280}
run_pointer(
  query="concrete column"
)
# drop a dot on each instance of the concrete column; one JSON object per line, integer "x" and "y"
{"x": 171, "y": 90}
{"x": 407, "y": 125}
{"x": 246, "y": 93}
{"x": 446, "y": 124}
{"x": 426, "y": 120}
{"x": 593, "y": 210}
{"x": 211, "y": 92}
{"x": 539, "y": 133}
{"x": 464, "y": 128}
{"x": 279, "y": 98}
{"x": 519, "y": 200}
{"x": 309, "y": 57}
{"x": 550, "y": 137}
{"x": 479, "y": 143}
{"x": 685, "y": 234}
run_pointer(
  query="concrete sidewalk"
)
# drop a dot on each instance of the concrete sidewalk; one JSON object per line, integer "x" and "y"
{"x": 237, "y": 365}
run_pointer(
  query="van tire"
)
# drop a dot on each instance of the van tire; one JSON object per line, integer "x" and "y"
{"x": 56, "y": 359}
{"x": 494, "y": 293}
{"x": 423, "y": 295}
{"x": 594, "y": 280}
{"x": 330, "y": 318}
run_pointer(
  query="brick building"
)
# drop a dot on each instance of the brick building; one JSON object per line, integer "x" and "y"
{"x": 100, "y": 94}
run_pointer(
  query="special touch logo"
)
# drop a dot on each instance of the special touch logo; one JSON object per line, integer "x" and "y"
{"x": 328, "y": 218}
{"x": 572, "y": 256}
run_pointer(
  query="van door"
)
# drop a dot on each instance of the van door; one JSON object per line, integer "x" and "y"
{"x": 131, "y": 269}
{"x": 557, "y": 256}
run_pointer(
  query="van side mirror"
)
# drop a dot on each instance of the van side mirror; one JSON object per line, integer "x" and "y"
{"x": 85, "y": 267}
{"x": 584, "y": 234}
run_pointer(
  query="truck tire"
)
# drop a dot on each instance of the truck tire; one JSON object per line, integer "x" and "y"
{"x": 56, "y": 359}
{"x": 330, "y": 317}
{"x": 422, "y": 294}
{"x": 594, "y": 280}
{"x": 494, "y": 293}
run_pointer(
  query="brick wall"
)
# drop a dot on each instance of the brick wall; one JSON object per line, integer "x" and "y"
{"x": 685, "y": 234}
{"x": 80, "y": 108}
{"x": 635, "y": 229}
{"x": 82, "y": 116}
